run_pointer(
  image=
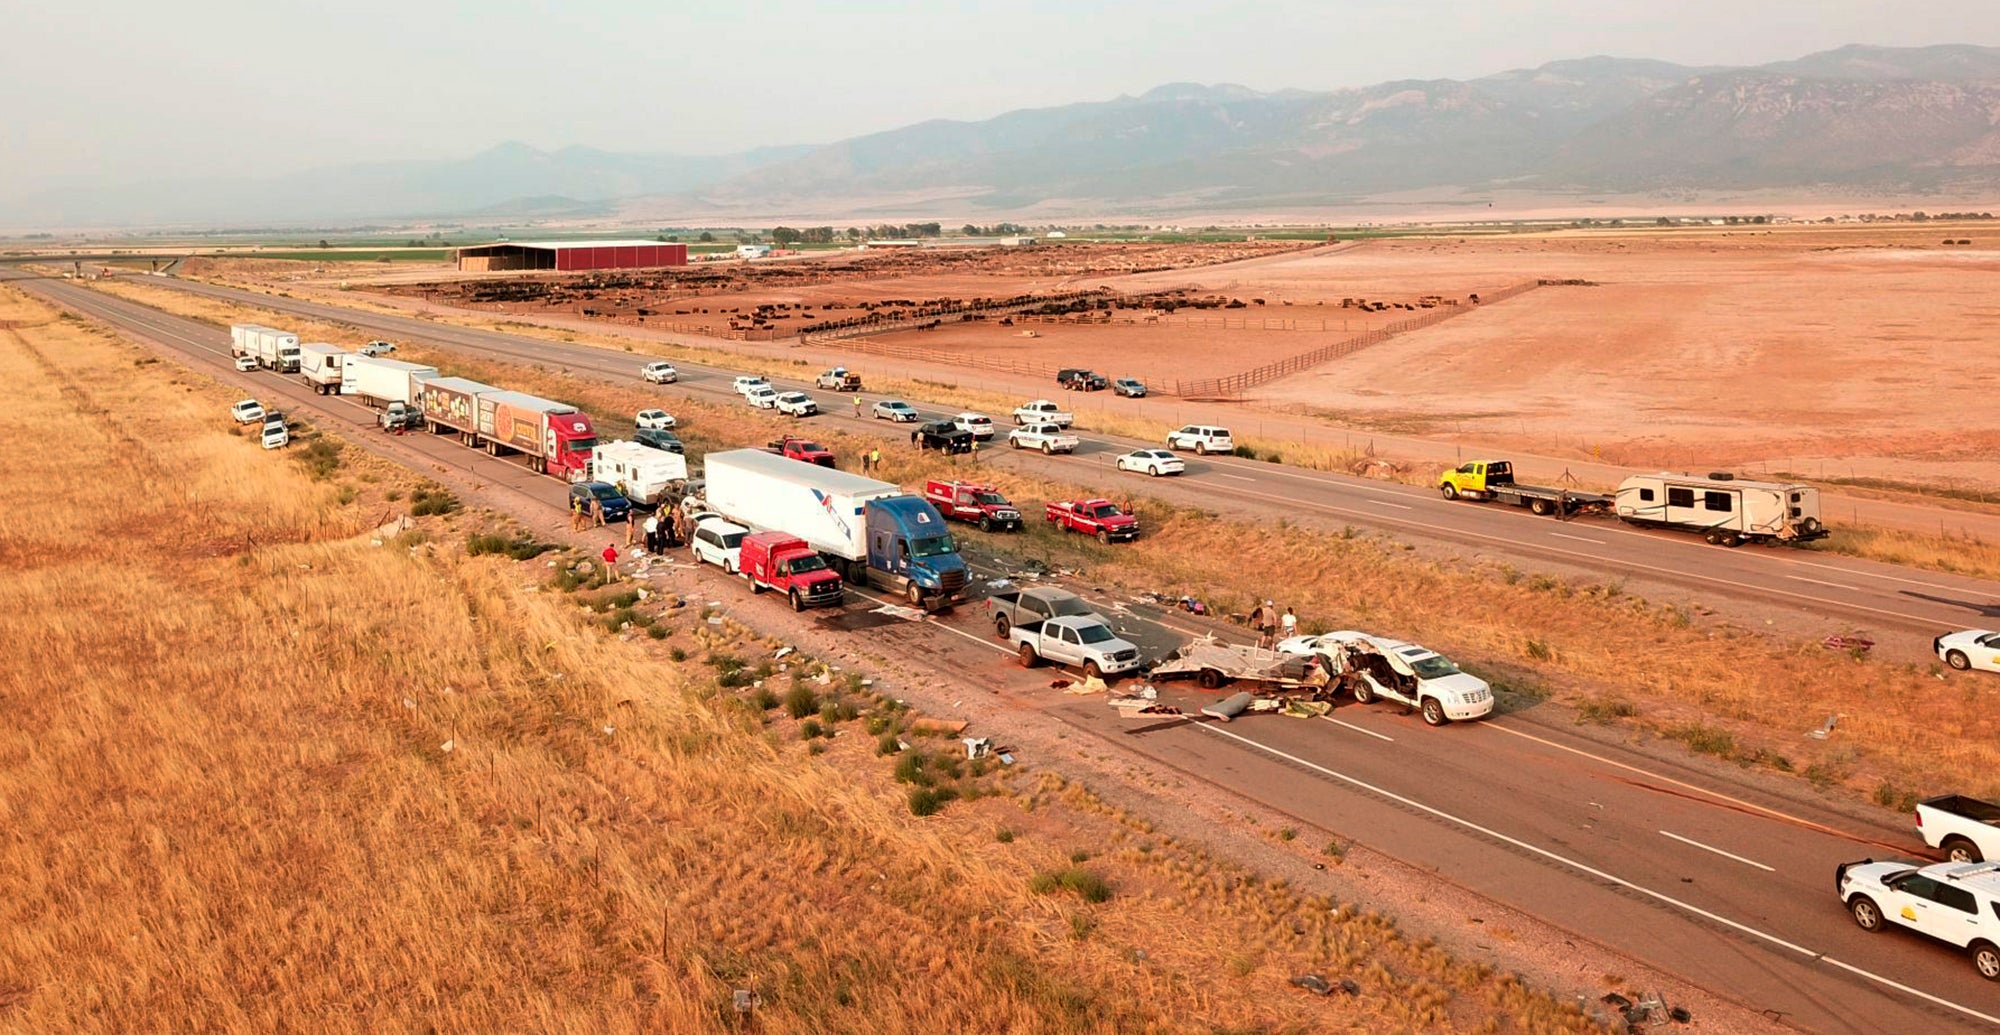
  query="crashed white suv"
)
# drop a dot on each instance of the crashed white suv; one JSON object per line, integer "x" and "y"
{"x": 1412, "y": 676}
{"x": 1955, "y": 903}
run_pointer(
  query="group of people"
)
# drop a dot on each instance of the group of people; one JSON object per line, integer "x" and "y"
{"x": 1272, "y": 626}
{"x": 664, "y": 529}
{"x": 871, "y": 461}
{"x": 585, "y": 515}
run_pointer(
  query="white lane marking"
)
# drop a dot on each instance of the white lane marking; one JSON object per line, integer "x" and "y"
{"x": 1823, "y": 582}
{"x": 1877, "y": 575}
{"x": 1718, "y": 795}
{"x": 1386, "y": 503}
{"x": 1357, "y": 729}
{"x": 1578, "y": 538}
{"x": 1235, "y": 477}
{"x": 1718, "y": 851}
{"x": 1589, "y": 870}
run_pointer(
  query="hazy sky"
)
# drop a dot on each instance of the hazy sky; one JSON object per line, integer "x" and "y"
{"x": 112, "y": 91}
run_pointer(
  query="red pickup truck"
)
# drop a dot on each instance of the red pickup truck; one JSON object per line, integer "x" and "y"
{"x": 776, "y": 560}
{"x": 1100, "y": 518}
{"x": 792, "y": 447}
{"x": 970, "y": 501}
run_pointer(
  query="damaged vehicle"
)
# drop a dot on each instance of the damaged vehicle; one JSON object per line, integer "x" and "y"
{"x": 1418, "y": 678}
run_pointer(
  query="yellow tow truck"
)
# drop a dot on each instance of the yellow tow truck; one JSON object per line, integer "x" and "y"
{"x": 1494, "y": 480}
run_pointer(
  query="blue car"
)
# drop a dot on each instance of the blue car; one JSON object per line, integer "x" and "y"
{"x": 616, "y": 506}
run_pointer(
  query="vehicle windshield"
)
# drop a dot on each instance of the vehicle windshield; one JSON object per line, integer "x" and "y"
{"x": 603, "y": 491}
{"x": 932, "y": 546}
{"x": 1070, "y": 606}
{"x": 810, "y": 447}
{"x": 801, "y": 565}
{"x": 1095, "y": 633}
{"x": 896, "y": 406}
{"x": 990, "y": 499}
{"x": 1437, "y": 666}
{"x": 582, "y": 445}
{"x": 1105, "y": 510}
{"x": 732, "y": 540}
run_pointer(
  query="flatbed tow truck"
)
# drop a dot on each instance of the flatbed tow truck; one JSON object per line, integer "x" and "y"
{"x": 1494, "y": 480}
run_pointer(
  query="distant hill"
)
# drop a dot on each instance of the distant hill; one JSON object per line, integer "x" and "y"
{"x": 1857, "y": 118}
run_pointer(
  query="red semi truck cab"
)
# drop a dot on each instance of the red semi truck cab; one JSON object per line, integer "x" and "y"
{"x": 780, "y": 561}
{"x": 983, "y": 505}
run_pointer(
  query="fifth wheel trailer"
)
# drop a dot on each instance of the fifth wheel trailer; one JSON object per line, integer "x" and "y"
{"x": 1727, "y": 511}
{"x": 872, "y": 531}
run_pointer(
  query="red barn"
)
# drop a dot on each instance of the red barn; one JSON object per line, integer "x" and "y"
{"x": 572, "y": 255}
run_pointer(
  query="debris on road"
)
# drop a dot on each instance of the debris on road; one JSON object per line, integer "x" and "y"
{"x": 1229, "y": 707}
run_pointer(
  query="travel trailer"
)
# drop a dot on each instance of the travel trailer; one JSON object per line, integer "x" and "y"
{"x": 1726, "y": 510}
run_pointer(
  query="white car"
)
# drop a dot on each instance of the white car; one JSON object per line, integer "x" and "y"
{"x": 1155, "y": 462}
{"x": 1955, "y": 903}
{"x": 275, "y": 435}
{"x": 1973, "y": 648}
{"x": 896, "y": 410}
{"x": 979, "y": 424}
{"x": 719, "y": 541}
{"x": 246, "y": 364}
{"x": 247, "y": 411}
{"x": 377, "y": 348}
{"x": 1202, "y": 438}
{"x": 1414, "y": 676}
{"x": 660, "y": 372}
{"x": 764, "y": 397}
{"x": 796, "y": 404}
{"x": 746, "y": 382}
{"x": 659, "y": 420}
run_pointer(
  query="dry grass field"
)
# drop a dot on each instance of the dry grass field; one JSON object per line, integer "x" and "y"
{"x": 267, "y": 771}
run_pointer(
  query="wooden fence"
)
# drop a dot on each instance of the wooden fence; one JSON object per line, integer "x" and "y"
{"x": 941, "y": 315}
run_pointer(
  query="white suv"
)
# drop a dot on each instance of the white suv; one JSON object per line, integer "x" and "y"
{"x": 746, "y": 382}
{"x": 660, "y": 372}
{"x": 1956, "y": 903}
{"x": 764, "y": 397}
{"x": 1412, "y": 676}
{"x": 1202, "y": 438}
{"x": 718, "y": 541}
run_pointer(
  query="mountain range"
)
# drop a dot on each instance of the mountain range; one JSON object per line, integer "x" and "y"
{"x": 1859, "y": 118}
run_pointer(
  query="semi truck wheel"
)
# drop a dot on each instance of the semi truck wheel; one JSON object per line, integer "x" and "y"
{"x": 1450, "y": 491}
{"x": 1959, "y": 850}
{"x": 914, "y": 594}
{"x": 1434, "y": 712}
{"x": 1029, "y": 659}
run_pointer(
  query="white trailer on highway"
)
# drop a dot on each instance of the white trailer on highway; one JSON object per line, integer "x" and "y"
{"x": 243, "y": 339}
{"x": 276, "y": 350}
{"x": 646, "y": 476}
{"x": 378, "y": 382}
{"x": 320, "y": 366}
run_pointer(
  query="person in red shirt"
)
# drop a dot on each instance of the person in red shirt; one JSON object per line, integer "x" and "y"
{"x": 610, "y": 563}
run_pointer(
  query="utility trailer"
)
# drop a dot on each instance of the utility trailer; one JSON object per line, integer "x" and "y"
{"x": 1215, "y": 664}
{"x": 1494, "y": 480}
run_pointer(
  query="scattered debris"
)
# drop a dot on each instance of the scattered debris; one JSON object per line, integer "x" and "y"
{"x": 1229, "y": 707}
{"x": 908, "y": 614}
{"x": 977, "y": 747}
{"x": 782, "y": 651}
{"x": 1300, "y": 709}
{"x": 1313, "y": 983}
{"x": 948, "y": 727}
{"x": 1824, "y": 728}
{"x": 1858, "y": 643}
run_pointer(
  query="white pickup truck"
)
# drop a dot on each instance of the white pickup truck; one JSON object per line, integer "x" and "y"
{"x": 1049, "y": 438}
{"x": 1042, "y": 411}
{"x": 1080, "y": 640}
{"x": 1966, "y": 828}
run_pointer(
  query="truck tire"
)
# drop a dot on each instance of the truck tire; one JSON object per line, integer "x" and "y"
{"x": 1986, "y": 960}
{"x": 1450, "y": 491}
{"x": 986, "y": 523}
{"x": 1090, "y": 670}
{"x": 798, "y": 603}
{"x": 1541, "y": 507}
{"x": 914, "y": 594}
{"x": 1104, "y": 536}
{"x": 1867, "y": 915}
{"x": 756, "y": 587}
{"x": 1960, "y": 850}
{"x": 1002, "y": 626}
{"x": 1029, "y": 659}
{"x": 1957, "y": 659}
{"x": 1434, "y": 712}
{"x": 1048, "y": 450}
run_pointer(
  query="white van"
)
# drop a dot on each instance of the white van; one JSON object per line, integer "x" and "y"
{"x": 1727, "y": 511}
{"x": 719, "y": 541}
{"x": 1202, "y": 438}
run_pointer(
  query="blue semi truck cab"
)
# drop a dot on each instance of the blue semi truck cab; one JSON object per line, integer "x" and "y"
{"x": 912, "y": 552}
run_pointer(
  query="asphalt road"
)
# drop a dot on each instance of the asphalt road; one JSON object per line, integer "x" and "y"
{"x": 1685, "y": 866}
{"x": 1855, "y": 593}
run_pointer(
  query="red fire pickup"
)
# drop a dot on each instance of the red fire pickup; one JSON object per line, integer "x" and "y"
{"x": 970, "y": 501}
{"x": 792, "y": 447}
{"x": 1100, "y": 518}
{"x": 774, "y": 560}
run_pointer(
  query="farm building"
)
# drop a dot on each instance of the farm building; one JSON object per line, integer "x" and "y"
{"x": 572, "y": 255}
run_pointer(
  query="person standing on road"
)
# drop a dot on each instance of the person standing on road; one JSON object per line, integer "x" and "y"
{"x": 1288, "y": 626}
{"x": 653, "y": 533}
{"x": 596, "y": 513}
{"x": 575, "y": 514}
{"x": 1266, "y": 620}
{"x": 857, "y": 406}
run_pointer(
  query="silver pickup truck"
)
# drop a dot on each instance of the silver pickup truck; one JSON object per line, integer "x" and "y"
{"x": 1037, "y": 604}
{"x": 1084, "y": 641}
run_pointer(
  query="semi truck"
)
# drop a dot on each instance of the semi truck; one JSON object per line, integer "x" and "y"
{"x": 871, "y": 532}
{"x": 555, "y": 437}
{"x": 320, "y": 366}
{"x": 1494, "y": 480}
{"x": 377, "y": 382}
{"x": 273, "y": 349}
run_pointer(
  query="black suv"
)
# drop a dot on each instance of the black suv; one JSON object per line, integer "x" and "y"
{"x": 659, "y": 438}
{"x": 1079, "y": 380}
{"x": 943, "y": 436}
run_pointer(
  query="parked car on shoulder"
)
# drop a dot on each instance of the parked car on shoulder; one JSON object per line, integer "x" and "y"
{"x": 247, "y": 411}
{"x": 764, "y": 397}
{"x": 943, "y": 436}
{"x": 839, "y": 379}
{"x": 377, "y": 348}
{"x": 1973, "y": 648}
{"x": 982, "y": 505}
{"x": 745, "y": 382}
{"x": 660, "y": 438}
{"x": 616, "y": 506}
{"x": 1955, "y": 903}
{"x": 1155, "y": 462}
{"x": 896, "y": 410}
{"x": 1077, "y": 380}
{"x": 1203, "y": 439}
{"x": 796, "y": 404}
{"x": 979, "y": 424}
{"x": 276, "y": 434}
{"x": 660, "y": 419}
{"x": 245, "y": 364}
{"x": 718, "y": 541}
{"x": 1129, "y": 387}
{"x": 660, "y": 372}
{"x": 1097, "y": 517}
{"x": 1042, "y": 411}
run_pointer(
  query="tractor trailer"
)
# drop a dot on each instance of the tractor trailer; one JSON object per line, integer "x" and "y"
{"x": 872, "y": 532}
{"x": 273, "y": 349}
{"x": 555, "y": 437}
{"x": 319, "y": 367}
{"x": 379, "y": 382}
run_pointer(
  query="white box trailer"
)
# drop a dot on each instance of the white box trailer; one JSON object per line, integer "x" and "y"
{"x": 1726, "y": 510}
{"x": 319, "y": 366}
{"x": 378, "y": 382}
{"x": 277, "y": 350}
{"x": 646, "y": 476}
{"x": 243, "y": 338}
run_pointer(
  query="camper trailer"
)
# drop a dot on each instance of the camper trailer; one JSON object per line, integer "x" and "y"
{"x": 1726, "y": 510}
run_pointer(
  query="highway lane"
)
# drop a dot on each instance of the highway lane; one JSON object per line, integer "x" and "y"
{"x": 1673, "y": 865}
{"x": 1860, "y": 593}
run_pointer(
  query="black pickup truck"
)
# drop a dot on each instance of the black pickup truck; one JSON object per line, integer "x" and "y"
{"x": 943, "y": 436}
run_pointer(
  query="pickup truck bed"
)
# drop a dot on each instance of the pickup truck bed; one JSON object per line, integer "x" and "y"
{"x": 1966, "y": 828}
